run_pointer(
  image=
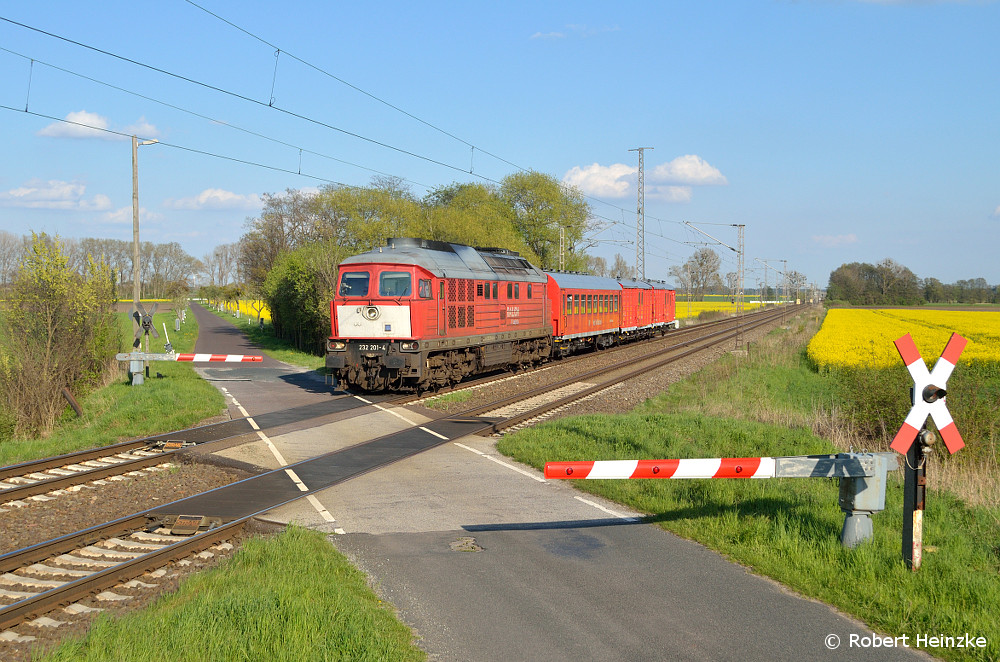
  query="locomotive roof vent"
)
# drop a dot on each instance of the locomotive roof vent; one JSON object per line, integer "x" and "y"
{"x": 413, "y": 242}
{"x": 499, "y": 251}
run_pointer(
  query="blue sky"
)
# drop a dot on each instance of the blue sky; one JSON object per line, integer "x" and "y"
{"x": 836, "y": 131}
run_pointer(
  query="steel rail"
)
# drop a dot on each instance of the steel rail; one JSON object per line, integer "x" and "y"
{"x": 502, "y": 374}
{"x": 78, "y": 589}
{"x": 719, "y": 337}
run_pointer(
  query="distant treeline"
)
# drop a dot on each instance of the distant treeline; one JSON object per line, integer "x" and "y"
{"x": 890, "y": 283}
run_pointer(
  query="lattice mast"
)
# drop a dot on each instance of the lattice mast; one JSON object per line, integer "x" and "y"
{"x": 640, "y": 223}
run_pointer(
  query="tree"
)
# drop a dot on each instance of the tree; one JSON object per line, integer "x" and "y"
{"x": 597, "y": 266}
{"x": 620, "y": 268}
{"x": 541, "y": 205}
{"x": 10, "y": 253}
{"x": 60, "y": 331}
{"x": 699, "y": 273}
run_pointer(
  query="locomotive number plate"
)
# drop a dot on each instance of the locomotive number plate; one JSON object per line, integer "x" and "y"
{"x": 373, "y": 347}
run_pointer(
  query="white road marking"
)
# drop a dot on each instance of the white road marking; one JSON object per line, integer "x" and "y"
{"x": 502, "y": 463}
{"x": 320, "y": 508}
{"x": 394, "y": 413}
{"x": 428, "y": 431}
{"x": 627, "y": 518}
{"x": 367, "y": 402}
{"x": 324, "y": 513}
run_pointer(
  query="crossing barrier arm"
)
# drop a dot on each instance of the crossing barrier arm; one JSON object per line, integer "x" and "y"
{"x": 862, "y": 478}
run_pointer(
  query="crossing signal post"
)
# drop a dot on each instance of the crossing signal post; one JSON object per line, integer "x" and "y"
{"x": 928, "y": 397}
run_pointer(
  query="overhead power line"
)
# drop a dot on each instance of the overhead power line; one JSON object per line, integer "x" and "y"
{"x": 290, "y": 113}
{"x": 235, "y": 95}
{"x": 236, "y": 127}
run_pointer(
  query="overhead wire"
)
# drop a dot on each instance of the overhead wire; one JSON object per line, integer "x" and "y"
{"x": 202, "y": 116}
{"x": 279, "y": 50}
{"x": 317, "y": 122}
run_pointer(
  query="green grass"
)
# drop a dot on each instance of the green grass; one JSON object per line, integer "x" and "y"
{"x": 442, "y": 401}
{"x": 275, "y": 347}
{"x": 292, "y": 597}
{"x": 788, "y": 529}
{"x": 120, "y": 411}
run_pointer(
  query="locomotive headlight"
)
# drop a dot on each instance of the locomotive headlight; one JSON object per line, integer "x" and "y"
{"x": 409, "y": 346}
{"x": 336, "y": 345}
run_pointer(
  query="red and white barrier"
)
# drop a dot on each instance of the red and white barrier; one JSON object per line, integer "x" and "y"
{"x": 220, "y": 358}
{"x": 725, "y": 467}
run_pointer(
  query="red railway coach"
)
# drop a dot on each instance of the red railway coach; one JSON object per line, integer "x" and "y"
{"x": 596, "y": 312}
{"x": 419, "y": 313}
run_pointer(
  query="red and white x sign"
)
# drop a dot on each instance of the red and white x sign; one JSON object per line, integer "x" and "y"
{"x": 922, "y": 378}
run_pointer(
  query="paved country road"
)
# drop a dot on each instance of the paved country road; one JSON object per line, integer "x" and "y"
{"x": 488, "y": 561}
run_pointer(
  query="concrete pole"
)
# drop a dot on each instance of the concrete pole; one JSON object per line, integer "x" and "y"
{"x": 135, "y": 230}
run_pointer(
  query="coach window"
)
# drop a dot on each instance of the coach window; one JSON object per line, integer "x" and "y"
{"x": 568, "y": 304}
{"x": 576, "y": 303}
{"x": 424, "y": 289}
{"x": 354, "y": 284}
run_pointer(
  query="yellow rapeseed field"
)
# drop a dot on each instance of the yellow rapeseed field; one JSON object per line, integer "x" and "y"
{"x": 864, "y": 338}
{"x": 685, "y": 310}
{"x": 246, "y": 309}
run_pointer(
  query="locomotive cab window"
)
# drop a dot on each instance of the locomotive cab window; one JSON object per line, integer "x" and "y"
{"x": 394, "y": 284}
{"x": 354, "y": 284}
{"x": 424, "y": 289}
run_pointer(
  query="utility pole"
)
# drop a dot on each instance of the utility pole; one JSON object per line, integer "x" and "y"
{"x": 135, "y": 239}
{"x": 562, "y": 248}
{"x": 640, "y": 245}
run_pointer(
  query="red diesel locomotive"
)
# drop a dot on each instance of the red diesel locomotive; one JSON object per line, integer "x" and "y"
{"x": 419, "y": 314}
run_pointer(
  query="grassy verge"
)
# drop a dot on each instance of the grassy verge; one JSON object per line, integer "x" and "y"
{"x": 788, "y": 529}
{"x": 119, "y": 411}
{"x": 292, "y": 597}
{"x": 275, "y": 347}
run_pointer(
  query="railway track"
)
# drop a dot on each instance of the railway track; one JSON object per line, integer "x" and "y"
{"x": 652, "y": 345}
{"x": 37, "y": 580}
{"x": 516, "y": 410}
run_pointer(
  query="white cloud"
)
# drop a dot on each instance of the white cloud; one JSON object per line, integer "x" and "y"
{"x": 548, "y": 35}
{"x": 835, "y": 241}
{"x": 215, "y": 199}
{"x": 996, "y": 212}
{"x": 53, "y": 194}
{"x": 688, "y": 170}
{"x": 124, "y": 215}
{"x": 82, "y": 124}
{"x": 611, "y": 181}
{"x": 670, "y": 193}
{"x": 670, "y": 182}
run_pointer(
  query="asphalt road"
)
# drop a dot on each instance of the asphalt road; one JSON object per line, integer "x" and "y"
{"x": 485, "y": 560}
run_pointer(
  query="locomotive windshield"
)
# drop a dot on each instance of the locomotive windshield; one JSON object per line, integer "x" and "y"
{"x": 394, "y": 284}
{"x": 354, "y": 284}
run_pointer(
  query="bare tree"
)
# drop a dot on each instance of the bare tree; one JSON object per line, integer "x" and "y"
{"x": 10, "y": 254}
{"x": 597, "y": 266}
{"x": 699, "y": 273}
{"x": 620, "y": 268}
